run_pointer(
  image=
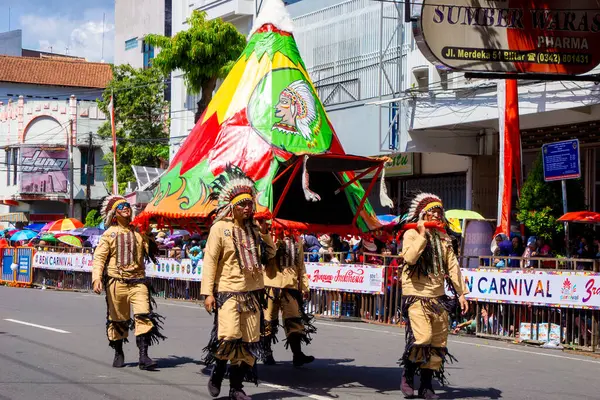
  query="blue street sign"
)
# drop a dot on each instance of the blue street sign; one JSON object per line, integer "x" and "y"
{"x": 561, "y": 160}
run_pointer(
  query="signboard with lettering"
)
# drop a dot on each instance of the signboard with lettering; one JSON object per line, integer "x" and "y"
{"x": 401, "y": 164}
{"x": 44, "y": 170}
{"x": 556, "y": 37}
{"x": 549, "y": 288}
{"x": 357, "y": 278}
{"x": 561, "y": 160}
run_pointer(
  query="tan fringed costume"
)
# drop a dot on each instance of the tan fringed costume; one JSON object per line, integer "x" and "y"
{"x": 285, "y": 286}
{"x": 235, "y": 258}
{"x": 119, "y": 262}
{"x": 429, "y": 262}
{"x": 239, "y": 293}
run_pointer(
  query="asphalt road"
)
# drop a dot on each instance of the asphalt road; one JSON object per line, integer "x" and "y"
{"x": 354, "y": 361}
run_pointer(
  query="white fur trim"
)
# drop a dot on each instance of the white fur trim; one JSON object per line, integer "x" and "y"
{"x": 384, "y": 199}
{"x": 273, "y": 12}
{"x": 308, "y": 194}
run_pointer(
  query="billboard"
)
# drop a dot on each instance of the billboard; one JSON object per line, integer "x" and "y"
{"x": 553, "y": 36}
{"x": 44, "y": 170}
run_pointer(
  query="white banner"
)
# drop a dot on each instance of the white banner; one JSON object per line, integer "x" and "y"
{"x": 169, "y": 268}
{"x": 81, "y": 262}
{"x": 550, "y": 288}
{"x": 346, "y": 277}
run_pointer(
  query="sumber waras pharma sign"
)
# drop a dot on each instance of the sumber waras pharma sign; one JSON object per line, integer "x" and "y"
{"x": 551, "y": 36}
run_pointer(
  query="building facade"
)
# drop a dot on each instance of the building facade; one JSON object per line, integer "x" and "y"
{"x": 48, "y": 108}
{"x": 133, "y": 21}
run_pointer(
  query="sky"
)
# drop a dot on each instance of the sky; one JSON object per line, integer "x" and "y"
{"x": 63, "y": 26}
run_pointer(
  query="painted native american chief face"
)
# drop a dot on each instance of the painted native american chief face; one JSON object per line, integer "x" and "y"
{"x": 297, "y": 110}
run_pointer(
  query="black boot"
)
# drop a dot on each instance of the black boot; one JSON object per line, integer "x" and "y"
{"x": 119, "y": 360}
{"x": 407, "y": 386}
{"x": 236, "y": 378}
{"x": 295, "y": 341}
{"x": 146, "y": 363}
{"x": 216, "y": 378}
{"x": 268, "y": 352}
{"x": 426, "y": 388}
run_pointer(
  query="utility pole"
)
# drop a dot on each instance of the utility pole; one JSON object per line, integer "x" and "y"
{"x": 71, "y": 180}
{"x": 88, "y": 174}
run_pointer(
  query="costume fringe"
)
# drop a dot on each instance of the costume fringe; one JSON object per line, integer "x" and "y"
{"x": 155, "y": 334}
{"x": 225, "y": 349}
{"x": 435, "y": 305}
{"x": 305, "y": 319}
{"x": 273, "y": 328}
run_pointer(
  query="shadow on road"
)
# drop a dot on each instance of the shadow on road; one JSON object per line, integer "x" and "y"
{"x": 325, "y": 375}
{"x": 175, "y": 361}
{"x": 469, "y": 393}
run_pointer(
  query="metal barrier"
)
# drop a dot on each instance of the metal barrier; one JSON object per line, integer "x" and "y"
{"x": 17, "y": 266}
{"x": 568, "y": 264}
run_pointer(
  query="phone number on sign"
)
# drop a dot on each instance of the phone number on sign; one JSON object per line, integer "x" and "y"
{"x": 472, "y": 54}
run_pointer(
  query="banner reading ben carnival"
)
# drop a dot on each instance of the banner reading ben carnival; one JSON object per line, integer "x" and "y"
{"x": 551, "y": 288}
{"x": 345, "y": 277}
{"x": 81, "y": 262}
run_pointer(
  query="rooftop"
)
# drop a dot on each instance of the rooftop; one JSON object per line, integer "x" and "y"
{"x": 54, "y": 72}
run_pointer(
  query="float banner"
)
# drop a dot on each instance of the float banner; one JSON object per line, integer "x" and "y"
{"x": 81, "y": 262}
{"x": 356, "y": 278}
{"x": 552, "y": 37}
{"x": 548, "y": 288}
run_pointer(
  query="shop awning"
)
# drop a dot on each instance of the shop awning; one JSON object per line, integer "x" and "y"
{"x": 14, "y": 217}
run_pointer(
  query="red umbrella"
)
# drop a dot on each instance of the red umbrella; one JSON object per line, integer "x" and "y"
{"x": 586, "y": 217}
{"x": 67, "y": 224}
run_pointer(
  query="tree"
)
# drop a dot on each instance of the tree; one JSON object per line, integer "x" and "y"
{"x": 205, "y": 52}
{"x": 141, "y": 121}
{"x": 93, "y": 218}
{"x": 540, "y": 204}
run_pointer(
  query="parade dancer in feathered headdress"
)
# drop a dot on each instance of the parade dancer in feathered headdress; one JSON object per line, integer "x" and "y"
{"x": 236, "y": 254}
{"x": 119, "y": 268}
{"x": 287, "y": 287}
{"x": 428, "y": 261}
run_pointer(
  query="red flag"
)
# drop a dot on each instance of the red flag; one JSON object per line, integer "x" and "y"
{"x": 111, "y": 109}
{"x": 510, "y": 151}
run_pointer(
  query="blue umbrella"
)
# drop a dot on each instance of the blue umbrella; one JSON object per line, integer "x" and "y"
{"x": 36, "y": 227}
{"x": 25, "y": 234}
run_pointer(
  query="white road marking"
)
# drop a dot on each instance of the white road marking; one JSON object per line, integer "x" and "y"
{"x": 36, "y": 326}
{"x": 295, "y": 391}
{"x": 543, "y": 354}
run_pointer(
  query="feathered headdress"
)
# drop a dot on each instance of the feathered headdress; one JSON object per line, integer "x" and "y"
{"x": 422, "y": 203}
{"x": 109, "y": 208}
{"x": 229, "y": 189}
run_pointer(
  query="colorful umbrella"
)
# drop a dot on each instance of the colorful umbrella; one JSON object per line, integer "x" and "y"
{"x": 267, "y": 120}
{"x": 463, "y": 214}
{"x": 67, "y": 224}
{"x": 48, "y": 237}
{"x": 25, "y": 234}
{"x": 87, "y": 231}
{"x": 45, "y": 227}
{"x": 70, "y": 240}
{"x": 586, "y": 217}
{"x": 36, "y": 227}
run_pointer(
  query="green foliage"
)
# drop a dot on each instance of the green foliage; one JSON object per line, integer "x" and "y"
{"x": 141, "y": 121}
{"x": 540, "y": 204}
{"x": 205, "y": 52}
{"x": 93, "y": 218}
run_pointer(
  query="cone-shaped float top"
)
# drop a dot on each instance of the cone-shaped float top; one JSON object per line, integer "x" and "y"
{"x": 263, "y": 117}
